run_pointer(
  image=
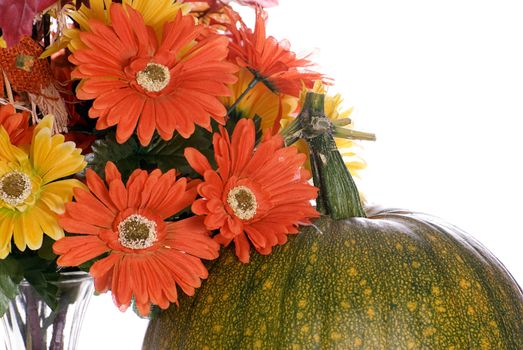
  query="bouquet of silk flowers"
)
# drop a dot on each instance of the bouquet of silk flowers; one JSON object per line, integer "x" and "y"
{"x": 138, "y": 139}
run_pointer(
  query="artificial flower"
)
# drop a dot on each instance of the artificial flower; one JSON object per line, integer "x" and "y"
{"x": 155, "y": 14}
{"x": 144, "y": 257}
{"x": 211, "y": 5}
{"x": 17, "y": 17}
{"x": 334, "y": 111}
{"x": 261, "y": 3}
{"x": 138, "y": 84}
{"x": 16, "y": 125}
{"x": 259, "y": 101}
{"x": 213, "y": 13}
{"x": 24, "y": 72}
{"x": 62, "y": 69}
{"x": 254, "y": 195}
{"x": 271, "y": 61}
{"x": 31, "y": 192}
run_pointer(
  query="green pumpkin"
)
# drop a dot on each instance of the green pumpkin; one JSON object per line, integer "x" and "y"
{"x": 392, "y": 280}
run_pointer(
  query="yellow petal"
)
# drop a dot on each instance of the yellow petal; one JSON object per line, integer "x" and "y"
{"x": 53, "y": 202}
{"x": 259, "y": 101}
{"x": 52, "y": 158}
{"x": 69, "y": 166}
{"x": 4, "y": 252}
{"x": 55, "y": 47}
{"x": 19, "y": 231}
{"x": 57, "y": 193}
{"x": 9, "y": 152}
{"x": 33, "y": 232}
{"x": 48, "y": 221}
{"x": 6, "y": 228}
{"x": 40, "y": 148}
{"x": 46, "y": 123}
{"x": 157, "y": 13}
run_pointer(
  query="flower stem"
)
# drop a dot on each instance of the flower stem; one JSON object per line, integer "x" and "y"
{"x": 292, "y": 132}
{"x": 353, "y": 134}
{"x": 57, "y": 340}
{"x": 251, "y": 85}
{"x": 35, "y": 340}
{"x": 338, "y": 195}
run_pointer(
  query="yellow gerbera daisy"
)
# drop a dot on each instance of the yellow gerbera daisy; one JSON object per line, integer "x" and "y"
{"x": 340, "y": 116}
{"x": 31, "y": 198}
{"x": 155, "y": 14}
{"x": 258, "y": 101}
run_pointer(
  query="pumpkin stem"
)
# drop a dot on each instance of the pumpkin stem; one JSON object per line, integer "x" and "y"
{"x": 338, "y": 195}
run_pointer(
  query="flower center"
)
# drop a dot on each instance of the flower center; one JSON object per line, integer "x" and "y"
{"x": 155, "y": 77}
{"x": 15, "y": 187}
{"x": 242, "y": 202}
{"x": 137, "y": 232}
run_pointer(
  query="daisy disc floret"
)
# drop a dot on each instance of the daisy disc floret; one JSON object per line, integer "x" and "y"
{"x": 32, "y": 189}
{"x": 140, "y": 254}
{"x": 255, "y": 196}
{"x": 138, "y": 83}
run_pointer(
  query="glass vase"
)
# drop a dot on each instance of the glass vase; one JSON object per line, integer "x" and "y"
{"x": 32, "y": 325}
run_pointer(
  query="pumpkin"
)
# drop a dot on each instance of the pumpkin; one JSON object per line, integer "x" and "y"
{"x": 375, "y": 279}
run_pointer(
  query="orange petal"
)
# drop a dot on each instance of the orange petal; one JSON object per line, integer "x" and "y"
{"x": 242, "y": 248}
{"x": 147, "y": 123}
{"x": 197, "y": 160}
{"x": 76, "y": 250}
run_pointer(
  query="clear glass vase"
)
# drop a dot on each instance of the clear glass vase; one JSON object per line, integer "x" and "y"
{"x": 30, "y": 324}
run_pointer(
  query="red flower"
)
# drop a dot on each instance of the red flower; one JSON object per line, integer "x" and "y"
{"x": 16, "y": 125}
{"x": 255, "y": 195}
{"x": 271, "y": 61}
{"x": 146, "y": 256}
{"x": 137, "y": 83}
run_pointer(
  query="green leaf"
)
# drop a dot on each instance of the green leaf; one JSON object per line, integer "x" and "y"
{"x": 46, "y": 251}
{"x": 122, "y": 155}
{"x": 257, "y": 126}
{"x": 236, "y": 116}
{"x": 42, "y": 275}
{"x": 161, "y": 154}
{"x": 10, "y": 277}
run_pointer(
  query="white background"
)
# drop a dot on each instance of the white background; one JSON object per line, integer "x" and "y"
{"x": 441, "y": 84}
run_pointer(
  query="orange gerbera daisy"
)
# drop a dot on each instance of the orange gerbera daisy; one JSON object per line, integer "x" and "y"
{"x": 258, "y": 195}
{"x": 16, "y": 125}
{"x": 136, "y": 81}
{"x": 146, "y": 256}
{"x": 269, "y": 60}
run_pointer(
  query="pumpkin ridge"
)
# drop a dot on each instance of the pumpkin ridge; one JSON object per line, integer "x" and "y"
{"x": 482, "y": 275}
{"x": 245, "y": 294}
{"x": 195, "y": 298}
{"x": 297, "y": 249}
{"x": 297, "y": 303}
{"x": 322, "y": 290}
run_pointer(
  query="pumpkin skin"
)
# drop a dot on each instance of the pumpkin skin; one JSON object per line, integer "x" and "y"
{"x": 394, "y": 280}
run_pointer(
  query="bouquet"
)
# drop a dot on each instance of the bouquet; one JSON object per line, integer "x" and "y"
{"x": 140, "y": 137}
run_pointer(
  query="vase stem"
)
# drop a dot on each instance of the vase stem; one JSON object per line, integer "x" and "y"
{"x": 59, "y": 325}
{"x": 31, "y": 324}
{"x": 35, "y": 337}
